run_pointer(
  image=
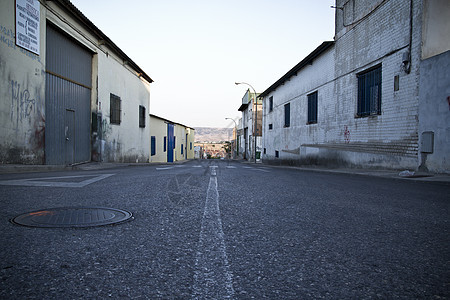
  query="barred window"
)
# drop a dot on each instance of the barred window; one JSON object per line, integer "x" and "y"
{"x": 141, "y": 116}
{"x": 114, "y": 109}
{"x": 369, "y": 92}
{"x": 312, "y": 108}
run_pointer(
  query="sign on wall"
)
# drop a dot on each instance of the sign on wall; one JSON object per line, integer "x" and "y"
{"x": 27, "y": 24}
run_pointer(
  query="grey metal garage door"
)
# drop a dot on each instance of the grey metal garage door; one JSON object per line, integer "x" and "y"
{"x": 67, "y": 99}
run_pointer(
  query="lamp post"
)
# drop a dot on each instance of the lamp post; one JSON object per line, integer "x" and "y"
{"x": 235, "y": 126}
{"x": 256, "y": 112}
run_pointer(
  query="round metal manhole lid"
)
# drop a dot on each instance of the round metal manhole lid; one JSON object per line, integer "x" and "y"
{"x": 72, "y": 217}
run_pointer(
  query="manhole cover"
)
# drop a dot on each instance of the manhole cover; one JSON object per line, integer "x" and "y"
{"x": 72, "y": 217}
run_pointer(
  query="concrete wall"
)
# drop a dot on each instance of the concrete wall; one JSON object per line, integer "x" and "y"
{"x": 434, "y": 112}
{"x": 158, "y": 129}
{"x": 436, "y": 27}
{"x": 124, "y": 142}
{"x": 22, "y": 94}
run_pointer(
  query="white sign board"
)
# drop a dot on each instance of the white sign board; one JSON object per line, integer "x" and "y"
{"x": 28, "y": 24}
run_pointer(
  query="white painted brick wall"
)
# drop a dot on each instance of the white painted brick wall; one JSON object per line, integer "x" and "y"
{"x": 381, "y": 37}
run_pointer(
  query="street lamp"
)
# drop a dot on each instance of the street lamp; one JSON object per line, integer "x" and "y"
{"x": 256, "y": 112}
{"x": 235, "y": 126}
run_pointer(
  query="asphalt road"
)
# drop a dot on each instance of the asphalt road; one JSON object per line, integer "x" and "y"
{"x": 227, "y": 230}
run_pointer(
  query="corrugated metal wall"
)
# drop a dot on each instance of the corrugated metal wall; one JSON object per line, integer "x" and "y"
{"x": 68, "y": 89}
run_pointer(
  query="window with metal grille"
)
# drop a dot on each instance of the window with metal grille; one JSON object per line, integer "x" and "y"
{"x": 141, "y": 116}
{"x": 270, "y": 103}
{"x": 153, "y": 145}
{"x": 287, "y": 115}
{"x": 312, "y": 108}
{"x": 369, "y": 92}
{"x": 114, "y": 109}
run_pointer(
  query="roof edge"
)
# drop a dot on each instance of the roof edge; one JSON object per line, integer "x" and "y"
{"x": 86, "y": 22}
{"x": 171, "y": 122}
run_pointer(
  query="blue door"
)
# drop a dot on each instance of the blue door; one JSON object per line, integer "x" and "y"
{"x": 170, "y": 142}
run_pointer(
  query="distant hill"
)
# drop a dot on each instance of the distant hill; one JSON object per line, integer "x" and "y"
{"x": 210, "y": 134}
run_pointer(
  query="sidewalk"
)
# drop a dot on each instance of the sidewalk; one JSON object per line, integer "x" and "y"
{"x": 392, "y": 174}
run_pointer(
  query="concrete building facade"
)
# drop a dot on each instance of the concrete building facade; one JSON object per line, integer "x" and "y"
{"x": 374, "y": 97}
{"x": 68, "y": 94}
{"x": 170, "y": 141}
{"x": 250, "y": 107}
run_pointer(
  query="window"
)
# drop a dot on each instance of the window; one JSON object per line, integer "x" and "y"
{"x": 396, "y": 83}
{"x": 181, "y": 148}
{"x": 165, "y": 143}
{"x": 287, "y": 115}
{"x": 191, "y": 146}
{"x": 114, "y": 109}
{"x": 153, "y": 145}
{"x": 270, "y": 103}
{"x": 270, "y": 126}
{"x": 312, "y": 108}
{"x": 264, "y": 150}
{"x": 369, "y": 92}
{"x": 141, "y": 116}
{"x": 277, "y": 154}
{"x": 174, "y": 142}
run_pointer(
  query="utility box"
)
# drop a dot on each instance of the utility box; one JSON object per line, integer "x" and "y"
{"x": 427, "y": 142}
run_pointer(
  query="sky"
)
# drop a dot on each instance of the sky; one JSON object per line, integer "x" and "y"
{"x": 196, "y": 50}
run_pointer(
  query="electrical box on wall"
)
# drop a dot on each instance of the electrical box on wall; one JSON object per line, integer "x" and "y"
{"x": 427, "y": 142}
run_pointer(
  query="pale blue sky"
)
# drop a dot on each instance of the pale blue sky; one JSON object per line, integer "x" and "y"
{"x": 195, "y": 50}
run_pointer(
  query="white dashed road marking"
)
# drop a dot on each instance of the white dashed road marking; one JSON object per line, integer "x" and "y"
{"x": 213, "y": 278}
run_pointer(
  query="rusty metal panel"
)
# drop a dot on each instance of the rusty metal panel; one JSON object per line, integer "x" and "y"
{"x": 67, "y": 95}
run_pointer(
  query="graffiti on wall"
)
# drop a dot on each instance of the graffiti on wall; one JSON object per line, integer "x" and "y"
{"x": 346, "y": 134}
{"x": 8, "y": 37}
{"x": 22, "y": 103}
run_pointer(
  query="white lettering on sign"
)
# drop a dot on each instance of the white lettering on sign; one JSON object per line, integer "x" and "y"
{"x": 27, "y": 25}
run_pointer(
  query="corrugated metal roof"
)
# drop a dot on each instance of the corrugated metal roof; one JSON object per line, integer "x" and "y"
{"x": 307, "y": 60}
{"x": 94, "y": 29}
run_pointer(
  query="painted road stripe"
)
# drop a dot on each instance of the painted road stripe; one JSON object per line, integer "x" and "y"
{"x": 262, "y": 170}
{"x": 231, "y": 167}
{"x": 165, "y": 168}
{"x": 213, "y": 278}
{"x": 53, "y": 181}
